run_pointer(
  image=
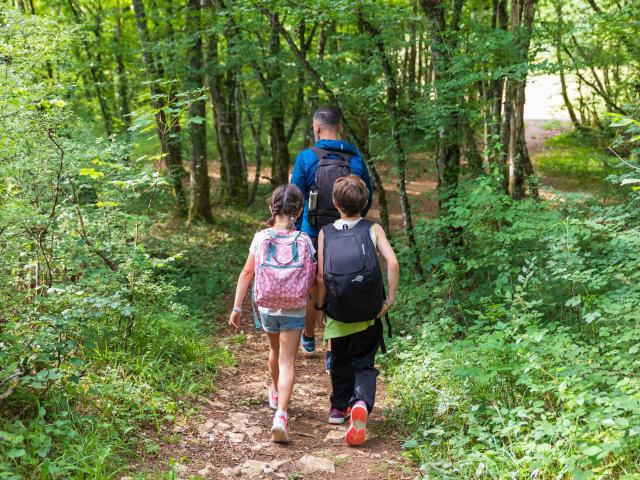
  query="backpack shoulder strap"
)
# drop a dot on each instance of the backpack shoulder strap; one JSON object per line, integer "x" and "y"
{"x": 363, "y": 226}
{"x": 321, "y": 153}
{"x": 324, "y": 156}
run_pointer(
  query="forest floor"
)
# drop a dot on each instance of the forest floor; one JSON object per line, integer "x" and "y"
{"x": 229, "y": 436}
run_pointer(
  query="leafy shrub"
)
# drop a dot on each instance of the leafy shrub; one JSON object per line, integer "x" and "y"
{"x": 96, "y": 339}
{"x": 522, "y": 361}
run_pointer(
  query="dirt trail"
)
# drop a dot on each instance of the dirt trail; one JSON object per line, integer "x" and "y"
{"x": 231, "y": 438}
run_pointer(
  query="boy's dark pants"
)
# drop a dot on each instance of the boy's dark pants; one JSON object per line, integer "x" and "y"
{"x": 353, "y": 376}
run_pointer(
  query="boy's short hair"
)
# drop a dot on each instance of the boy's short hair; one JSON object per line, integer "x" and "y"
{"x": 350, "y": 194}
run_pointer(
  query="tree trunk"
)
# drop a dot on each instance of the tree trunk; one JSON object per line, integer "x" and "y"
{"x": 499, "y": 20}
{"x": 442, "y": 46}
{"x": 563, "y": 83}
{"x": 96, "y": 74}
{"x": 170, "y": 148}
{"x": 396, "y": 125}
{"x": 522, "y": 16}
{"x": 280, "y": 158}
{"x": 505, "y": 134}
{"x": 471, "y": 153}
{"x": 222, "y": 87}
{"x": 123, "y": 88}
{"x": 200, "y": 207}
{"x": 256, "y": 132}
{"x": 413, "y": 56}
{"x": 313, "y": 96}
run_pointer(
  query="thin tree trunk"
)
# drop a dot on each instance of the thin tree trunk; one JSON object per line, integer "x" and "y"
{"x": 200, "y": 207}
{"x": 396, "y": 125}
{"x": 222, "y": 88}
{"x": 95, "y": 73}
{"x": 413, "y": 55}
{"x": 280, "y": 158}
{"x": 522, "y": 21}
{"x": 256, "y": 132}
{"x": 313, "y": 96}
{"x": 170, "y": 153}
{"x": 123, "y": 88}
{"x": 563, "y": 83}
{"x": 505, "y": 133}
{"x": 472, "y": 154}
{"x": 448, "y": 150}
{"x": 499, "y": 20}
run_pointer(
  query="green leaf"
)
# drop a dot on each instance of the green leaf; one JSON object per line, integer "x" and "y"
{"x": 630, "y": 181}
{"x": 17, "y": 453}
{"x": 592, "y": 451}
{"x": 91, "y": 172}
{"x": 412, "y": 443}
{"x": 197, "y": 119}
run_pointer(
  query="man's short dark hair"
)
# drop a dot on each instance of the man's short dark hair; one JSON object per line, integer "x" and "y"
{"x": 329, "y": 116}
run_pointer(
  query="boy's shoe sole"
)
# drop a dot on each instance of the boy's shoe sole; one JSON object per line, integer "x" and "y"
{"x": 279, "y": 435}
{"x": 357, "y": 431}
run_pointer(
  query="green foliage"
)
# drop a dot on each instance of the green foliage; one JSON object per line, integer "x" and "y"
{"x": 97, "y": 338}
{"x": 523, "y": 357}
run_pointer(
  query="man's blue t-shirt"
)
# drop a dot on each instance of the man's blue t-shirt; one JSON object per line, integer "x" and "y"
{"x": 304, "y": 176}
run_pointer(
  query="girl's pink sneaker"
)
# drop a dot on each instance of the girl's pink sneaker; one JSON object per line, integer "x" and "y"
{"x": 280, "y": 429}
{"x": 273, "y": 398}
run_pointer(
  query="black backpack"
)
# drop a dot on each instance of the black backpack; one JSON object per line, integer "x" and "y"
{"x": 352, "y": 275}
{"x": 332, "y": 164}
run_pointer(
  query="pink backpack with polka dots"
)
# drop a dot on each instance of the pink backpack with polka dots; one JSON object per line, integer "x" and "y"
{"x": 285, "y": 270}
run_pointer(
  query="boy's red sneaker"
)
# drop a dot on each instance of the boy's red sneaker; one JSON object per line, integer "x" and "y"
{"x": 357, "y": 430}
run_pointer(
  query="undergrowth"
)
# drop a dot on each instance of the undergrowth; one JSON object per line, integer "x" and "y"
{"x": 522, "y": 354}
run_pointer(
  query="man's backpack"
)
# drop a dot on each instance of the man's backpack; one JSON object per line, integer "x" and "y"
{"x": 285, "y": 271}
{"x": 352, "y": 275}
{"x": 332, "y": 165}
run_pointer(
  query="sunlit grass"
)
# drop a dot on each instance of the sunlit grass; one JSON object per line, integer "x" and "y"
{"x": 573, "y": 161}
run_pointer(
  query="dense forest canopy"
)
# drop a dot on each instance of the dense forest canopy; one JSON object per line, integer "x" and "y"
{"x": 139, "y": 138}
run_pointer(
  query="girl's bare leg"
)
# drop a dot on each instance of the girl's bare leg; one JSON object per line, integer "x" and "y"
{"x": 289, "y": 342}
{"x": 274, "y": 353}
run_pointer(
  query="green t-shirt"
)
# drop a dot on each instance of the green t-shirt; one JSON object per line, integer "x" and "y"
{"x": 334, "y": 328}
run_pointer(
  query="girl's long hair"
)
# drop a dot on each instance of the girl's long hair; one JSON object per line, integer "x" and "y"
{"x": 285, "y": 200}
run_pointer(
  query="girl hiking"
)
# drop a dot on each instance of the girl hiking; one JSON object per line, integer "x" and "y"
{"x": 282, "y": 261}
{"x": 351, "y": 293}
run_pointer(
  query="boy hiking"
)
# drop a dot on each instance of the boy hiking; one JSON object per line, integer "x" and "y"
{"x": 350, "y": 291}
{"x": 315, "y": 171}
{"x": 282, "y": 261}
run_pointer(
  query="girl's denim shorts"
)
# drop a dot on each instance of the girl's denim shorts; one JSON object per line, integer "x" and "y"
{"x": 278, "y": 323}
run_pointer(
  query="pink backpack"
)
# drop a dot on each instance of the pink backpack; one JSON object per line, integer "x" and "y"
{"x": 285, "y": 270}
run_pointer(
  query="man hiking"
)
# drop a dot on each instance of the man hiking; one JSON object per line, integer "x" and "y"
{"x": 314, "y": 173}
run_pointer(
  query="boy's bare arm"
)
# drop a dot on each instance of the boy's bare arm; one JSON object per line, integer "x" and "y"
{"x": 321, "y": 292}
{"x": 393, "y": 267}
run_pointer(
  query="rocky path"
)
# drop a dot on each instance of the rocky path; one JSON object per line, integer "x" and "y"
{"x": 230, "y": 437}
